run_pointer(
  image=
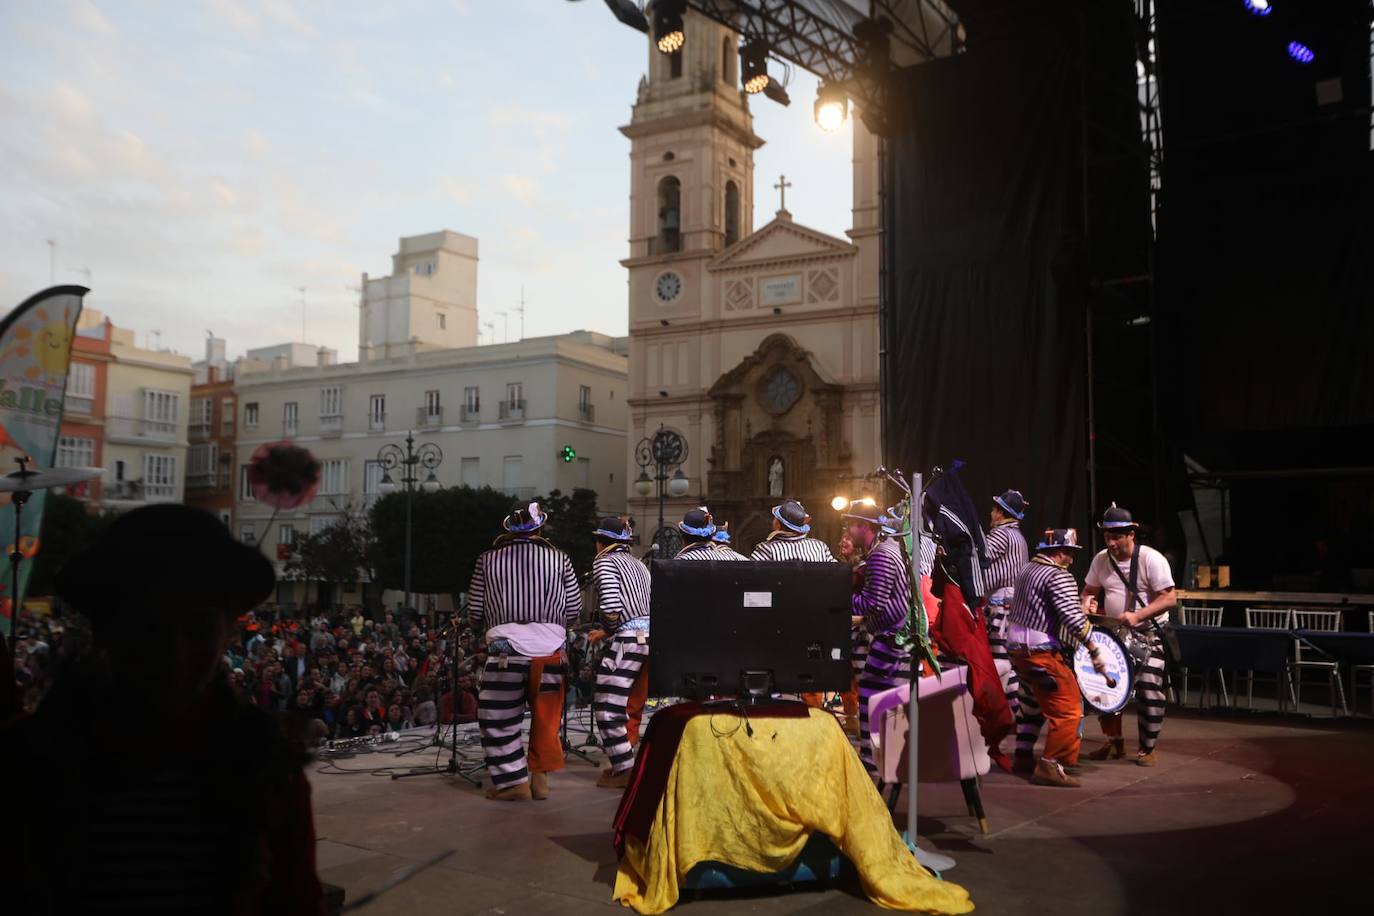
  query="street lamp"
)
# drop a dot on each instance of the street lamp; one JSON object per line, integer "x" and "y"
{"x": 409, "y": 460}
{"x": 664, "y": 451}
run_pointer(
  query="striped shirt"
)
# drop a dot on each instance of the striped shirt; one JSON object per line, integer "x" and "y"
{"x": 1046, "y": 599}
{"x": 1008, "y": 554}
{"x": 621, "y": 585}
{"x": 886, "y": 597}
{"x": 706, "y": 550}
{"x": 780, "y": 546}
{"x": 523, "y": 580}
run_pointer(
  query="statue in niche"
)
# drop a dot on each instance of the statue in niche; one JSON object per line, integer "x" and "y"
{"x": 775, "y": 477}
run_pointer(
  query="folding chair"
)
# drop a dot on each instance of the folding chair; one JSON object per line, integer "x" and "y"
{"x": 1202, "y": 617}
{"x": 1326, "y": 622}
{"x": 1356, "y": 671}
{"x": 1269, "y": 619}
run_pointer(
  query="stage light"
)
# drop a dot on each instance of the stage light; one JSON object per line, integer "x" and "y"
{"x": 1259, "y": 7}
{"x": 1300, "y": 52}
{"x": 869, "y": 501}
{"x": 753, "y": 58}
{"x": 669, "y": 34}
{"x": 778, "y": 94}
{"x": 840, "y": 503}
{"x": 832, "y": 107}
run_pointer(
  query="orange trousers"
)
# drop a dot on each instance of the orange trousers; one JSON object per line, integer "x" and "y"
{"x": 634, "y": 706}
{"x": 546, "y": 714}
{"x": 1056, "y": 690}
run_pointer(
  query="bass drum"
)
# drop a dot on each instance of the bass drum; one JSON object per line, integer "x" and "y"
{"x": 1110, "y": 694}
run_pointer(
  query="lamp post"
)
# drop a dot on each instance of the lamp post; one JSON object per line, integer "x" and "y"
{"x": 664, "y": 451}
{"x": 409, "y": 460}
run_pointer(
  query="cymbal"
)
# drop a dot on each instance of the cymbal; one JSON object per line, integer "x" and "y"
{"x": 46, "y": 478}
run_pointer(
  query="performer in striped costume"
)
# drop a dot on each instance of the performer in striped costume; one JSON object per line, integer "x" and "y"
{"x": 524, "y": 594}
{"x": 620, "y": 586}
{"x": 722, "y": 535}
{"x": 883, "y": 602}
{"x": 788, "y": 540}
{"x": 1008, "y": 555}
{"x": 1045, "y": 622}
{"x": 698, "y": 530}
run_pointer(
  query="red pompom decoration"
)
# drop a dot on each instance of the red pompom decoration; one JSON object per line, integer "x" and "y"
{"x": 283, "y": 475}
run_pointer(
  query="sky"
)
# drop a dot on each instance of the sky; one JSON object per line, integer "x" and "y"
{"x": 197, "y": 162}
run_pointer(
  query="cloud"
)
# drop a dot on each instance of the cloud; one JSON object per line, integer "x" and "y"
{"x": 236, "y": 16}
{"x": 88, "y": 15}
{"x": 455, "y": 189}
{"x": 522, "y": 187}
{"x": 72, "y": 103}
{"x": 224, "y": 194}
{"x": 283, "y": 13}
{"x": 255, "y": 143}
{"x": 539, "y": 122}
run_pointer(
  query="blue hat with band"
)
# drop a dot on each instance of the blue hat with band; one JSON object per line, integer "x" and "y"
{"x": 614, "y": 529}
{"x": 524, "y": 519}
{"x": 722, "y": 535}
{"x": 697, "y": 522}
{"x": 1059, "y": 539}
{"x": 792, "y": 515}
{"x": 1013, "y": 503}
{"x": 1117, "y": 518}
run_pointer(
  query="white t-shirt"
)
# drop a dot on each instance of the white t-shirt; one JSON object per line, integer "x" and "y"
{"x": 1152, "y": 577}
{"x": 532, "y": 640}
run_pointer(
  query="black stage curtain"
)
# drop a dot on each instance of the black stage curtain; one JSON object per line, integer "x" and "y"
{"x": 987, "y": 267}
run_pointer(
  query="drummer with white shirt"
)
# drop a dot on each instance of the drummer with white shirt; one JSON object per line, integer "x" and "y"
{"x": 1132, "y": 583}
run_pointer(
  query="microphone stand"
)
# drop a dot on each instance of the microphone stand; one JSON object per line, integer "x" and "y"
{"x": 454, "y": 767}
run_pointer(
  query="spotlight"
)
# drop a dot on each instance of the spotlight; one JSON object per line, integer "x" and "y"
{"x": 754, "y": 65}
{"x": 778, "y": 94}
{"x": 1259, "y": 7}
{"x": 1300, "y": 52}
{"x": 832, "y": 107}
{"x": 668, "y": 31}
{"x": 840, "y": 503}
{"x": 869, "y": 501}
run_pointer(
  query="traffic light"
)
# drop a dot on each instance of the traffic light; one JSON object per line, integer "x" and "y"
{"x": 568, "y": 453}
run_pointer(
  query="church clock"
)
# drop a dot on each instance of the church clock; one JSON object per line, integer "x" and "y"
{"x": 668, "y": 286}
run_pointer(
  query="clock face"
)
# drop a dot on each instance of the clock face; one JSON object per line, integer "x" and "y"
{"x": 781, "y": 390}
{"x": 668, "y": 286}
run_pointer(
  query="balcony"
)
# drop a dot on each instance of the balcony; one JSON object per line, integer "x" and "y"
{"x": 204, "y": 481}
{"x": 132, "y": 429}
{"x": 331, "y": 425}
{"x": 512, "y": 410}
{"x": 586, "y": 413}
{"x": 376, "y": 423}
{"x": 138, "y": 492}
{"x": 199, "y": 432}
{"x": 429, "y": 417}
{"x": 470, "y": 414}
{"x": 75, "y": 404}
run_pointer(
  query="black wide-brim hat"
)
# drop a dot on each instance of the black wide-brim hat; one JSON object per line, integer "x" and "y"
{"x": 156, "y": 556}
{"x": 1117, "y": 518}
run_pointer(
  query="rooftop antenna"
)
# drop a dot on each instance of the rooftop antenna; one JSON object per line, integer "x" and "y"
{"x": 522, "y": 311}
{"x": 301, "y": 290}
{"x": 52, "y": 261}
{"x": 491, "y": 331}
{"x": 505, "y": 326}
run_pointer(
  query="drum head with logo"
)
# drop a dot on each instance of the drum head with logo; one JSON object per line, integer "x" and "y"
{"x": 1097, "y": 696}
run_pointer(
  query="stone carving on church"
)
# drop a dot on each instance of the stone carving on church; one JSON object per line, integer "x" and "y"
{"x": 775, "y": 477}
{"x": 823, "y": 285}
{"x": 739, "y": 295}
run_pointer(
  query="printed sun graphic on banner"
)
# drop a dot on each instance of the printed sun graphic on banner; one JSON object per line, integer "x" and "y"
{"x": 35, "y": 352}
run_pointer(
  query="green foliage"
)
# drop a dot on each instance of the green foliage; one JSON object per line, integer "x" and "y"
{"x": 450, "y": 528}
{"x": 343, "y": 552}
{"x": 68, "y": 528}
{"x": 572, "y": 519}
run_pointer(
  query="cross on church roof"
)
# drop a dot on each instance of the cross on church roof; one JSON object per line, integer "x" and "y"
{"x": 781, "y": 187}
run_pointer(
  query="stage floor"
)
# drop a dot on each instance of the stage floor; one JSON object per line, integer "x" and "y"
{"x": 1242, "y": 815}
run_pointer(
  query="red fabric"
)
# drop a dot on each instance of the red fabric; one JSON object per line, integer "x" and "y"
{"x": 654, "y": 761}
{"x": 960, "y": 631}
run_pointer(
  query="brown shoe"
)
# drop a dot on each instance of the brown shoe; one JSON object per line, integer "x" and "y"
{"x": 1113, "y": 749}
{"x": 610, "y": 780}
{"x": 1145, "y": 759}
{"x": 519, "y": 792}
{"x": 1049, "y": 773}
{"x": 1023, "y": 763}
{"x": 539, "y": 786}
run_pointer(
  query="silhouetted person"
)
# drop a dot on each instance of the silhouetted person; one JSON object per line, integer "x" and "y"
{"x": 148, "y": 785}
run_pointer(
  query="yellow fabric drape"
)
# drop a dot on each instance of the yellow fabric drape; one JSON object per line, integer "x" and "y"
{"x": 752, "y": 802}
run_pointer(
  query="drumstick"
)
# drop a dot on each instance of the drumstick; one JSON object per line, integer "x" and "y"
{"x": 1111, "y": 681}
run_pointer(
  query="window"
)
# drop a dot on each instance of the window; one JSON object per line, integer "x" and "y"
{"x": 472, "y": 400}
{"x": 330, "y": 401}
{"x": 675, "y": 64}
{"x": 250, "y": 414}
{"x": 727, "y": 61}
{"x": 731, "y": 213}
{"x": 286, "y": 535}
{"x": 376, "y": 412}
{"x": 334, "y": 476}
{"x": 512, "y": 472}
{"x": 159, "y": 477}
{"x": 80, "y": 388}
{"x": 515, "y": 394}
{"x": 424, "y": 269}
{"x": 669, "y": 215}
{"x": 202, "y": 411}
{"x": 202, "y": 463}
{"x": 432, "y": 403}
{"x": 245, "y": 487}
{"x": 248, "y": 533}
{"x": 443, "y": 321}
{"x": 75, "y": 452}
{"x": 470, "y": 473}
{"x": 160, "y": 411}
{"x": 584, "y": 403}
{"x": 226, "y": 411}
{"x": 372, "y": 477}
{"x": 119, "y": 471}
{"x": 289, "y": 416}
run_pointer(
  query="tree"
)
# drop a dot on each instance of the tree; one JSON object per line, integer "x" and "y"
{"x": 449, "y": 529}
{"x": 342, "y": 552}
{"x": 68, "y": 528}
{"x": 572, "y": 519}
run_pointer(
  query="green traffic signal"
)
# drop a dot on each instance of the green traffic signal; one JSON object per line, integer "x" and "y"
{"x": 569, "y": 453}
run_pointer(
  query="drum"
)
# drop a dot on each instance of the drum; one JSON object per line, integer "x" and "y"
{"x": 1105, "y": 695}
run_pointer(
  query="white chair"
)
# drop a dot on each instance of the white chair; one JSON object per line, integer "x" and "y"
{"x": 1356, "y": 671}
{"x": 1326, "y": 622}
{"x": 1196, "y": 616}
{"x": 1269, "y": 619}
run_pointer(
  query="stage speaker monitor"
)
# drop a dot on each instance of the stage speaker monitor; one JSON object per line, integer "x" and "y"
{"x": 748, "y": 629}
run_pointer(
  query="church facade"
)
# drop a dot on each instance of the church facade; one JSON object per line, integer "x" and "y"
{"x": 758, "y": 346}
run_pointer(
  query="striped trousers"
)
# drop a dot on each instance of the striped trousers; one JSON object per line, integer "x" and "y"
{"x": 1151, "y": 696}
{"x": 885, "y": 667}
{"x": 624, "y": 660}
{"x": 996, "y": 612}
{"x": 510, "y": 684}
